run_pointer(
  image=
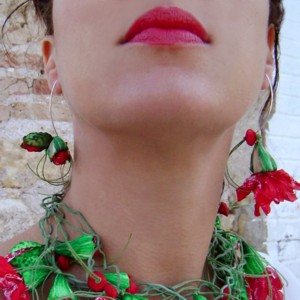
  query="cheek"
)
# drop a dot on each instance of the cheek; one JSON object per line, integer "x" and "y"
{"x": 242, "y": 60}
{"x": 82, "y": 48}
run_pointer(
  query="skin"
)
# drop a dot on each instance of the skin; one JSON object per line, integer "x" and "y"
{"x": 153, "y": 125}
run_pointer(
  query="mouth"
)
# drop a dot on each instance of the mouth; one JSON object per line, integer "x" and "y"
{"x": 166, "y": 26}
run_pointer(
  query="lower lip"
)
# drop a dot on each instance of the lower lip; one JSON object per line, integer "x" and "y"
{"x": 162, "y": 36}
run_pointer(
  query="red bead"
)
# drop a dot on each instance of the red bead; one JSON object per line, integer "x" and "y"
{"x": 97, "y": 254}
{"x": 226, "y": 291}
{"x": 60, "y": 158}
{"x": 133, "y": 288}
{"x": 97, "y": 286}
{"x": 250, "y": 137}
{"x": 111, "y": 291}
{"x": 63, "y": 262}
{"x": 223, "y": 209}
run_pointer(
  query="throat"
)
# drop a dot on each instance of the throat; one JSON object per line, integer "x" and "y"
{"x": 154, "y": 207}
{"x": 161, "y": 243}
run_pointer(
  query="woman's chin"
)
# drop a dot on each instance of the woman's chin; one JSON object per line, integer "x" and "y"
{"x": 165, "y": 100}
{"x": 167, "y": 116}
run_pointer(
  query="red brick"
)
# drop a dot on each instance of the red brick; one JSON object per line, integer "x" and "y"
{"x": 40, "y": 87}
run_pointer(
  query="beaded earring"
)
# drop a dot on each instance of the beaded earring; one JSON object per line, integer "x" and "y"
{"x": 54, "y": 146}
{"x": 266, "y": 182}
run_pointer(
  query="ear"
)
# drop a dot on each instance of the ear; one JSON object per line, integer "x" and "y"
{"x": 48, "y": 51}
{"x": 270, "y": 59}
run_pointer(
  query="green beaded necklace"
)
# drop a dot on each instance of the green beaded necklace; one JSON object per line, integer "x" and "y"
{"x": 233, "y": 264}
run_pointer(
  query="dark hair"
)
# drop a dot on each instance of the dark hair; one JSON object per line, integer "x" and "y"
{"x": 276, "y": 17}
{"x": 43, "y": 9}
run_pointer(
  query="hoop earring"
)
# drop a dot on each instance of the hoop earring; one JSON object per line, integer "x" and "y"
{"x": 51, "y": 104}
{"x": 268, "y": 106}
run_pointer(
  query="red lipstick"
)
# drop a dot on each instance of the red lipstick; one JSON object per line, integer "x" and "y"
{"x": 166, "y": 26}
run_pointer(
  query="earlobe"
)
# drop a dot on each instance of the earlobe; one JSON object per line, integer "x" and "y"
{"x": 48, "y": 52}
{"x": 270, "y": 56}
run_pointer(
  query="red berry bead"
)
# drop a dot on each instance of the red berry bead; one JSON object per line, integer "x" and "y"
{"x": 61, "y": 157}
{"x": 111, "y": 291}
{"x": 223, "y": 209}
{"x": 226, "y": 292}
{"x": 63, "y": 262}
{"x": 97, "y": 254}
{"x": 133, "y": 288}
{"x": 97, "y": 285}
{"x": 250, "y": 137}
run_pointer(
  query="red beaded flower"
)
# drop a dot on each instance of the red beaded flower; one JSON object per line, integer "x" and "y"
{"x": 11, "y": 283}
{"x": 266, "y": 183}
{"x": 259, "y": 288}
{"x": 269, "y": 187}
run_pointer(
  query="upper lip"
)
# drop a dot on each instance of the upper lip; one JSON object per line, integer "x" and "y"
{"x": 169, "y": 18}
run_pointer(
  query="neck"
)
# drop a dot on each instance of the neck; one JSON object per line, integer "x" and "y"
{"x": 165, "y": 197}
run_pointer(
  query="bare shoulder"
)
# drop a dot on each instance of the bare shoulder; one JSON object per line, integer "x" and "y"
{"x": 31, "y": 234}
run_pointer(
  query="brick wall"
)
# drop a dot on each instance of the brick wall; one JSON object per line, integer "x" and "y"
{"x": 23, "y": 108}
{"x": 283, "y": 224}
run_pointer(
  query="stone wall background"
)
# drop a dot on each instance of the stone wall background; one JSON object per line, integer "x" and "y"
{"x": 24, "y": 108}
{"x": 283, "y": 224}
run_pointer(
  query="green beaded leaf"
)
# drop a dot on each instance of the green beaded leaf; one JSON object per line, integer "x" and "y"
{"x": 218, "y": 223}
{"x": 83, "y": 246}
{"x": 25, "y": 245}
{"x": 40, "y": 140}
{"x": 61, "y": 289}
{"x": 255, "y": 264}
{"x": 199, "y": 297}
{"x": 120, "y": 280}
{"x": 32, "y": 268}
{"x": 244, "y": 293}
{"x": 29, "y": 252}
{"x": 56, "y": 146}
{"x": 227, "y": 248}
{"x": 133, "y": 297}
{"x": 240, "y": 286}
{"x": 33, "y": 278}
{"x": 266, "y": 160}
